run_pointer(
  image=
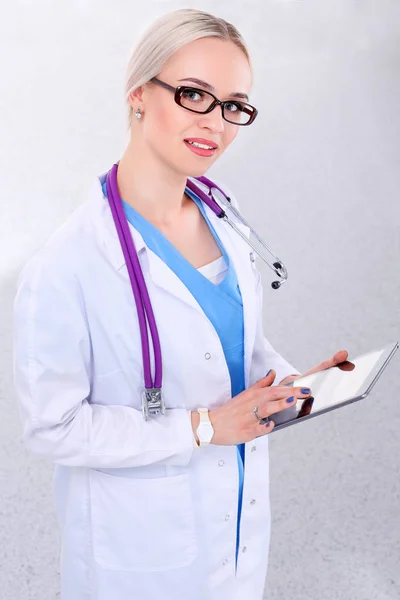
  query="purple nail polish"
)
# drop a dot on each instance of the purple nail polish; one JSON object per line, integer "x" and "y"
{"x": 290, "y": 399}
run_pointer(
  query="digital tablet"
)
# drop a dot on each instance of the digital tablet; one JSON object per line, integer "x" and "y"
{"x": 337, "y": 386}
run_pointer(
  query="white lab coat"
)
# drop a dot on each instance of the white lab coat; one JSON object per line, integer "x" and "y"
{"x": 142, "y": 513}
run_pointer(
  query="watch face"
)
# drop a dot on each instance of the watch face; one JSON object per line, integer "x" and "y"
{"x": 205, "y": 432}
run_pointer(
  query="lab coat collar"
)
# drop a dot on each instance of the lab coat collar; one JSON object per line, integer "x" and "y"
{"x": 161, "y": 274}
{"x": 111, "y": 239}
{"x": 111, "y": 236}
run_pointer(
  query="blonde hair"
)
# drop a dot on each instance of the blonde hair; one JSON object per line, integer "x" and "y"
{"x": 168, "y": 34}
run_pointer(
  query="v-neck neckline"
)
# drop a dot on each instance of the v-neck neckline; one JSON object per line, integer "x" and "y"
{"x": 158, "y": 243}
{"x": 132, "y": 214}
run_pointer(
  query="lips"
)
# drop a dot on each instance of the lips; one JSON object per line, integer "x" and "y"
{"x": 202, "y": 141}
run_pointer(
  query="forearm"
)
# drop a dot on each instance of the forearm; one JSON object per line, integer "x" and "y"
{"x": 111, "y": 437}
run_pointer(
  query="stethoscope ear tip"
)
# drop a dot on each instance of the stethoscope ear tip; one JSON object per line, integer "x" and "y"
{"x": 276, "y": 285}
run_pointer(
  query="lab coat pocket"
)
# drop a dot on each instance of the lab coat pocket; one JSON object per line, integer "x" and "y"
{"x": 142, "y": 524}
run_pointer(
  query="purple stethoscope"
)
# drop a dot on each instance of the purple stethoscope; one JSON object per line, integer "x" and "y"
{"x": 152, "y": 399}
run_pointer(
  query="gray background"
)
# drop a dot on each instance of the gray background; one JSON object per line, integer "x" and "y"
{"x": 319, "y": 174}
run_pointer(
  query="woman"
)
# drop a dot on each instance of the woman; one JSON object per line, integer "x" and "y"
{"x": 144, "y": 511}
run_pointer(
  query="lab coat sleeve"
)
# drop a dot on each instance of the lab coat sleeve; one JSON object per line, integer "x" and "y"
{"x": 52, "y": 373}
{"x": 283, "y": 368}
{"x": 273, "y": 359}
{"x": 279, "y": 364}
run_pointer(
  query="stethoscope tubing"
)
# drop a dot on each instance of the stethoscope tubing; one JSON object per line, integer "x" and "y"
{"x": 143, "y": 304}
{"x": 278, "y": 267}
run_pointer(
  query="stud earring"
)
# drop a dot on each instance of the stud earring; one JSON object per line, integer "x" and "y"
{"x": 138, "y": 114}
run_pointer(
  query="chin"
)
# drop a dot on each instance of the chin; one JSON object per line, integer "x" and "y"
{"x": 200, "y": 169}
{"x": 197, "y": 172}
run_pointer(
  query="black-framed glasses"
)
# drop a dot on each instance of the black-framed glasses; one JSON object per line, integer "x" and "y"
{"x": 200, "y": 101}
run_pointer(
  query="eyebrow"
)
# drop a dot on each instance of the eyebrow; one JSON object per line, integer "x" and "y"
{"x": 212, "y": 88}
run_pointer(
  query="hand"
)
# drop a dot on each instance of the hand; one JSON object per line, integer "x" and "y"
{"x": 339, "y": 357}
{"x": 235, "y": 422}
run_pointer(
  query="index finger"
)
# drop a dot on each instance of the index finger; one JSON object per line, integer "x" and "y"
{"x": 339, "y": 357}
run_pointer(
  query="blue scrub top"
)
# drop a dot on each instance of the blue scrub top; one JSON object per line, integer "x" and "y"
{"x": 222, "y": 304}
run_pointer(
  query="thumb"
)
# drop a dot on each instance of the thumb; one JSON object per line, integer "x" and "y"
{"x": 266, "y": 381}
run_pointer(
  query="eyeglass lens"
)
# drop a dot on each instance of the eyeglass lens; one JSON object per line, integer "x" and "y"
{"x": 199, "y": 101}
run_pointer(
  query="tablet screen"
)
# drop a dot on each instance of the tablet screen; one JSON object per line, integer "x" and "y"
{"x": 334, "y": 386}
{"x": 341, "y": 382}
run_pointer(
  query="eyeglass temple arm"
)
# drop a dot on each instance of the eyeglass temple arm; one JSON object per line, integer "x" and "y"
{"x": 163, "y": 84}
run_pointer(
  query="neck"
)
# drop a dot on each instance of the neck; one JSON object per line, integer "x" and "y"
{"x": 151, "y": 187}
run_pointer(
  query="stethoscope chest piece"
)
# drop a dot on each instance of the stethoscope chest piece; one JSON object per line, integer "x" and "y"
{"x": 152, "y": 403}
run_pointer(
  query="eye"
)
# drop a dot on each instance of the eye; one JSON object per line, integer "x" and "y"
{"x": 193, "y": 95}
{"x": 233, "y": 106}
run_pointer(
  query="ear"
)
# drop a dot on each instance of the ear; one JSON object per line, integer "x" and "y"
{"x": 136, "y": 95}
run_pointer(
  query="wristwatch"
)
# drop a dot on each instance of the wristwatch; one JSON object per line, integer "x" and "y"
{"x": 205, "y": 430}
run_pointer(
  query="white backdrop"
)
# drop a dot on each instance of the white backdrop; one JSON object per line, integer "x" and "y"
{"x": 319, "y": 175}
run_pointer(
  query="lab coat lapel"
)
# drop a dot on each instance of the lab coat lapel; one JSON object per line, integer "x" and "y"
{"x": 160, "y": 274}
{"x": 239, "y": 253}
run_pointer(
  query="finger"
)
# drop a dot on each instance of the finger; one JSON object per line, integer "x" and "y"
{"x": 337, "y": 358}
{"x": 271, "y": 407}
{"x": 321, "y": 367}
{"x": 289, "y": 379}
{"x": 278, "y": 405}
{"x": 264, "y": 429}
{"x": 266, "y": 381}
{"x": 340, "y": 356}
{"x": 279, "y": 392}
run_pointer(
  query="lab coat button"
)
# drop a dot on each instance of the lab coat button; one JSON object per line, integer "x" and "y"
{"x": 227, "y": 517}
{"x": 253, "y": 448}
{"x": 244, "y": 549}
{"x": 207, "y": 356}
{"x": 225, "y": 562}
{"x": 252, "y": 501}
{"x": 221, "y": 463}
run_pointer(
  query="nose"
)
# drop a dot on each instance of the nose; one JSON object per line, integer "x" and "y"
{"x": 213, "y": 120}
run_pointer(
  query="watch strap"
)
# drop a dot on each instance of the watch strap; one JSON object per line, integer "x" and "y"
{"x": 204, "y": 419}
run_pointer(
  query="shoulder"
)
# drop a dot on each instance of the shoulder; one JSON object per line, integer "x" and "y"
{"x": 67, "y": 251}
